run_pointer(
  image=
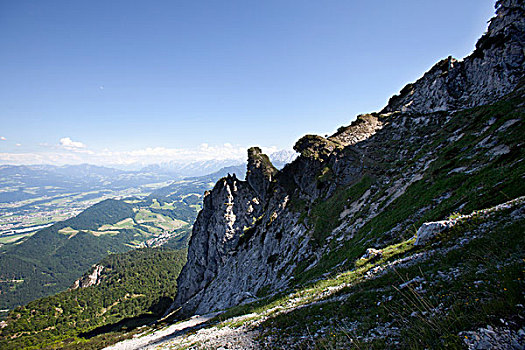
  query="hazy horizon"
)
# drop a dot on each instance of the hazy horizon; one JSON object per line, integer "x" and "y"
{"x": 170, "y": 164}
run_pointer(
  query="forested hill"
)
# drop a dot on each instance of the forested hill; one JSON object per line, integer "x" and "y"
{"x": 133, "y": 288}
{"x": 52, "y": 259}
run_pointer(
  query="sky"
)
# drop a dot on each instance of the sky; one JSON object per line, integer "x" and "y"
{"x": 135, "y": 82}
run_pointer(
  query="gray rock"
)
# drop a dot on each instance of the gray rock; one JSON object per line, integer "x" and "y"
{"x": 493, "y": 338}
{"x": 491, "y": 71}
{"x": 260, "y": 172}
{"x": 371, "y": 253}
{"x": 91, "y": 279}
{"x": 228, "y": 209}
{"x": 429, "y": 230}
{"x": 241, "y": 239}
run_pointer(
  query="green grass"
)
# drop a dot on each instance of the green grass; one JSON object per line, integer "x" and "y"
{"x": 14, "y": 238}
{"x": 311, "y": 291}
{"x": 325, "y": 214}
{"x": 126, "y": 223}
{"x": 497, "y": 259}
{"x": 498, "y": 180}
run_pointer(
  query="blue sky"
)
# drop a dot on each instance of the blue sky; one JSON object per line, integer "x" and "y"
{"x": 112, "y": 82}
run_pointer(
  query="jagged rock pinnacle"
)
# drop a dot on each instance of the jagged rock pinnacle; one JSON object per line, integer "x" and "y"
{"x": 260, "y": 172}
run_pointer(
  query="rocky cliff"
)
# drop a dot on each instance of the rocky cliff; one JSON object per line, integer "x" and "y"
{"x": 92, "y": 278}
{"x": 491, "y": 71}
{"x": 370, "y": 183}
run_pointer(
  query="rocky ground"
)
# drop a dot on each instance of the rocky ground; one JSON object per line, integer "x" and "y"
{"x": 254, "y": 330}
{"x": 152, "y": 339}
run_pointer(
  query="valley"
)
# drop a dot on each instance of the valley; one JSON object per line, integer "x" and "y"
{"x": 23, "y": 218}
{"x": 76, "y": 231}
{"x": 33, "y": 197}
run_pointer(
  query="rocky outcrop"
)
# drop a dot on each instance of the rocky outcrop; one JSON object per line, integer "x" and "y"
{"x": 92, "y": 279}
{"x": 245, "y": 240}
{"x": 495, "y": 338}
{"x": 316, "y": 147}
{"x": 429, "y": 230}
{"x": 228, "y": 209}
{"x": 491, "y": 71}
{"x": 362, "y": 128}
{"x": 228, "y": 265}
{"x": 260, "y": 172}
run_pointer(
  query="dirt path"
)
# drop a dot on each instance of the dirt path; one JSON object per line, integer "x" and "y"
{"x": 152, "y": 340}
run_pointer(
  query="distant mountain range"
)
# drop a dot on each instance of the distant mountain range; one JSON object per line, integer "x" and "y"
{"x": 54, "y": 180}
{"x": 201, "y": 168}
{"x": 280, "y": 158}
{"x": 24, "y": 182}
{"x": 193, "y": 169}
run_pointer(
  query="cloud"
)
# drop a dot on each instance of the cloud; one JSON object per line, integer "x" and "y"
{"x": 18, "y": 145}
{"x": 67, "y": 143}
{"x": 74, "y": 152}
{"x": 2, "y": 138}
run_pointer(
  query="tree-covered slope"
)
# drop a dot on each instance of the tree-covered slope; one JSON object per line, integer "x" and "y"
{"x": 50, "y": 260}
{"x": 141, "y": 283}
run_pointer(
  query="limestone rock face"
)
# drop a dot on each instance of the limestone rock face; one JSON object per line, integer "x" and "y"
{"x": 491, "y": 71}
{"x": 228, "y": 209}
{"x": 242, "y": 241}
{"x": 92, "y": 279}
{"x": 362, "y": 128}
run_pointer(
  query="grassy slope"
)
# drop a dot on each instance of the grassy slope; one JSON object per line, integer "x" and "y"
{"x": 458, "y": 290}
{"x": 499, "y": 179}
